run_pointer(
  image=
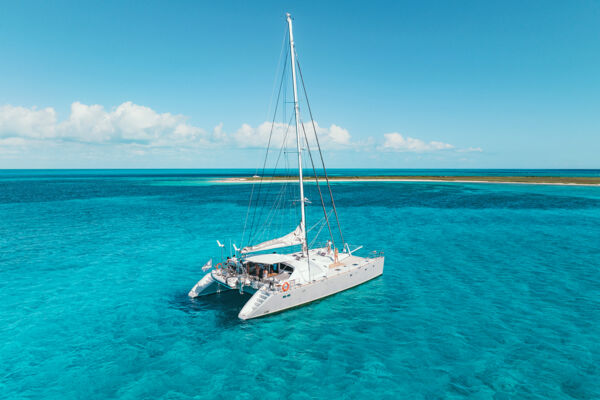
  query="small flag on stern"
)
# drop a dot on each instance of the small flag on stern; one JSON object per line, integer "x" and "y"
{"x": 207, "y": 266}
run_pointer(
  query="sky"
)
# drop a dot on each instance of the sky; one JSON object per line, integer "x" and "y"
{"x": 189, "y": 84}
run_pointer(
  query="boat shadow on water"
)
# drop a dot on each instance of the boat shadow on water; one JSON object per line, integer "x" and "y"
{"x": 224, "y": 306}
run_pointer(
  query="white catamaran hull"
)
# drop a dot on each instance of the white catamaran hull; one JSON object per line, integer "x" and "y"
{"x": 265, "y": 302}
{"x": 280, "y": 281}
{"x": 206, "y": 285}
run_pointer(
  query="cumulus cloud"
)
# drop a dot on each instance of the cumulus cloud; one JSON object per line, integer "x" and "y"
{"x": 143, "y": 130}
{"x": 140, "y": 125}
{"x": 247, "y": 136}
{"x": 127, "y": 123}
{"x": 397, "y": 142}
{"x": 333, "y": 136}
{"x": 337, "y": 134}
{"x": 27, "y": 122}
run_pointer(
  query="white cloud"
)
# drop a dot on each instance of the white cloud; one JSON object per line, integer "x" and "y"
{"x": 140, "y": 130}
{"x": 338, "y": 135}
{"x": 247, "y": 136}
{"x": 132, "y": 123}
{"x": 13, "y": 142}
{"x": 397, "y": 142}
{"x": 127, "y": 123}
{"x": 27, "y": 122}
{"x": 218, "y": 134}
{"x": 471, "y": 150}
{"x": 335, "y": 136}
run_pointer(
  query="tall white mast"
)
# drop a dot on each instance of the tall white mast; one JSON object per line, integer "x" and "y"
{"x": 297, "y": 110}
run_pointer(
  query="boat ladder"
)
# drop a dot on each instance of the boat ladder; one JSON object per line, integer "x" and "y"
{"x": 262, "y": 296}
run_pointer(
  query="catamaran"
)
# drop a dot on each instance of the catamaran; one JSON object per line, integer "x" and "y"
{"x": 278, "y": 281}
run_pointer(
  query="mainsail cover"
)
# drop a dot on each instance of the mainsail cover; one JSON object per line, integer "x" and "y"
{"x": 291, "y": 239}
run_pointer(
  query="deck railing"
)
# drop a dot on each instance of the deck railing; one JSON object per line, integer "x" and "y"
{"x": 375, "y": 254}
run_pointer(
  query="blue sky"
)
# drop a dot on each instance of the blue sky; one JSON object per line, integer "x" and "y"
{"x": 465, "y": 84}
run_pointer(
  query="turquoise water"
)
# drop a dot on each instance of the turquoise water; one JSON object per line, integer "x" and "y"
{"x": 490, "y": 291}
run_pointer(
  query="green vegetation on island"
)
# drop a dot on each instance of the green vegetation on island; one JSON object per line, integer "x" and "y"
{"x": 566, "y": 180}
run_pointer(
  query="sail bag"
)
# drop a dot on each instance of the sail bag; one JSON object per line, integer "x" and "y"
{"x": 291, "y": 239}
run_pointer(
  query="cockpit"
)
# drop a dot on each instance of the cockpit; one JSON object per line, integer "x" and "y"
{"x": 264, "y": 266}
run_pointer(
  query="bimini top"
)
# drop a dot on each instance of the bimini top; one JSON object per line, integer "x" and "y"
{"x": 270, "y": 258}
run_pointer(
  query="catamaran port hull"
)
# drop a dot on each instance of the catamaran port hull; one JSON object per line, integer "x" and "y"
{"x": 207, "y": 285}
{"x": 265, "y": 302}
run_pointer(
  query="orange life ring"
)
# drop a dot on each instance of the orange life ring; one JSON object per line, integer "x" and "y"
{"x": 218, "y": 266}
{"x": 285, "y": 287}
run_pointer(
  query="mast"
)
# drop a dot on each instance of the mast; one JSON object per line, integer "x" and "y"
{"x": 297, "y": 111}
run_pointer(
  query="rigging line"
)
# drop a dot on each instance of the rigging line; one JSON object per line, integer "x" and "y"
{"x": 271, "y": 220}
{"x": 268, "y": 113}
{"x": 268, "y": 146}
{"x": 256, "y": 231}
{"x": 283, "y": 47}
{"x": 320, "y": 221}
{"x": 278, "y": 204}
{"x": 279, "y": 219}
{"x": 317, "y": 181}
{"x": 252, "y": 232}
{"x": 266, "y": 155}
{"x": 271, "y": 179}
{"x": 272, "y": 212}
{"x": 317, "y": 235}
{"x": 320, "y": 152}
{"x": 292, "y": 212}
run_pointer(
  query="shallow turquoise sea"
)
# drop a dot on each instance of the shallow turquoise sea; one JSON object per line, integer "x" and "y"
{"x": 490, "y": 291}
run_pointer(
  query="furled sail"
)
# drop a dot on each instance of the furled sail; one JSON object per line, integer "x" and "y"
{"x": 291, "y": 239}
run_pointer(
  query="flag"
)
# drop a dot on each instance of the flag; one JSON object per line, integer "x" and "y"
{"x": 207, "y": 266}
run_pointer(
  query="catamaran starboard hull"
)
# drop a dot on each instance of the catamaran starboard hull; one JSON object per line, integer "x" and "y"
{"x": 264, "y": 302}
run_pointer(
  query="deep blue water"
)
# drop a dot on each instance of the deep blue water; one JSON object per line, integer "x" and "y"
{"x": 204, "y": 173}
{"x": 490, "y": 291}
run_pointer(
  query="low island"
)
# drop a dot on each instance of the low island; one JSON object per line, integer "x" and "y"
{"x": 540, "y": 180}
